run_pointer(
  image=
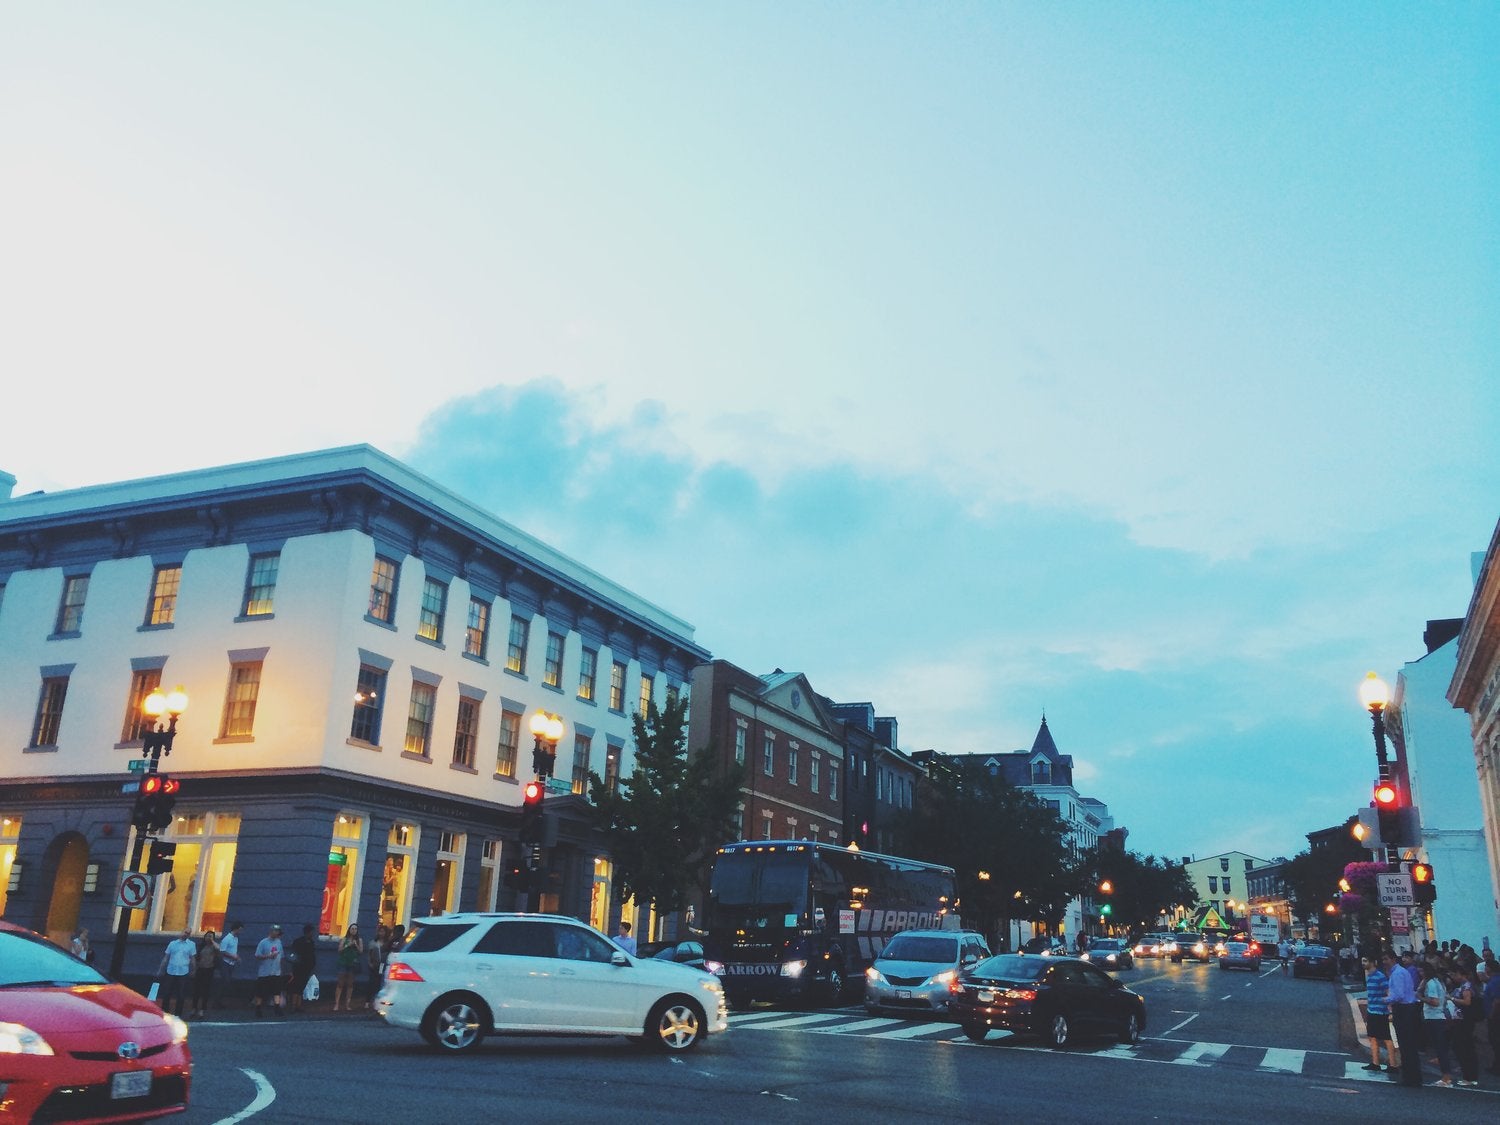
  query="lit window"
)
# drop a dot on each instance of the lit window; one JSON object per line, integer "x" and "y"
{"x": 448, "y": 874}
{"x": 369, "y": 700}
{"x": 510, "y": 742}
{"x": 383, "y": 590}
{"x": 419, "y": 718}
{"x": 395, "y": 880}
{"x": 239, "y": 703}
{"x": 341, "y": 886}
{"x": 434, "y": 607}
{"x": 515, "y": 653}
{"x": 648, "y": 687}
{"x": 10, "y": 842}
{"x": 162, "y": 607}
{"x": 466, "y": 733}
{"x": 194, "y": 894}
{"x": 489, "y": 875}
{"x": 612, "y": 755}
{"x": 477, "y": 634}
{"x": 49, "y": 709}
{"x": 552, "y": 668}
{"x": 583, "y": 747}
{"x": 70, "y": 609}
{"x": 587, "y": 668}
{"x": 617, "y": 686}
{"x": 142, "y": 683}
{"x": 260, "y": 585}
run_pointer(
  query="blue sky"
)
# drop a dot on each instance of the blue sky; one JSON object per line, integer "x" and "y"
{"x": 1131, "y": 363}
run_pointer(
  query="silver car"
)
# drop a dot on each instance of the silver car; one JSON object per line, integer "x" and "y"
{"x": 464, "y": 976}
{"x": 915, "y": 968}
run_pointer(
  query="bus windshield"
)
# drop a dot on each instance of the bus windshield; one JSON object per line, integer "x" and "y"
{"x": 759, "y": 888}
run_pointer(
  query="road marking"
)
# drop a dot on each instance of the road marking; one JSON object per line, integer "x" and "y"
{"x": 1183, "y": 1024}
{"x": 1356, "y": 1072}
{"x": 1283, "y": 1060}
{"x": 801, "y": 1021}
{"x": 1226, "y": 996}
{"x": 861, "y": 1025}
{"x": 1209, "y": 1052}
{"x": 265, "y": 1094}
{"x": 911, "y": 1032}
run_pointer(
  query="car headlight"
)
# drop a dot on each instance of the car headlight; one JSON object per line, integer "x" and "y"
{"x": 715, "y": 967}
{"x": 874, "y": 975}
{"x": 179, "y": 1029}
{"x": 944, "y": 977}
{"x": 793, "y": 968}
{"x": 1110, "y": 957}
{"x": 18, "y": 1039}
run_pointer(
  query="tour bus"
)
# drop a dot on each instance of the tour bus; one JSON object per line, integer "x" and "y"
{"x": 795, "y": 919}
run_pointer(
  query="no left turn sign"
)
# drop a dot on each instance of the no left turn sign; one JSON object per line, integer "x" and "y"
{"x": 135, "y": 889}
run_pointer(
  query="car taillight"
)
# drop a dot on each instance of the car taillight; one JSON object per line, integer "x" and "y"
{"x": 400, "y": 970}
{"x": 955, "y": 985}
{"x": 1021, "y": 993}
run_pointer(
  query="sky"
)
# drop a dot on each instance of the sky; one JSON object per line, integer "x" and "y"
{"x": 1127, "y": 364}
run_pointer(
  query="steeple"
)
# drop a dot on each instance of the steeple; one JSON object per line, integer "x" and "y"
{"x": 1044, "y": 743}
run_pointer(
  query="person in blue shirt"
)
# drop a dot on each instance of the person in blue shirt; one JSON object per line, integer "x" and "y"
{"x": 1406, "y": 1015}
{"x": 1377, "y": 1018}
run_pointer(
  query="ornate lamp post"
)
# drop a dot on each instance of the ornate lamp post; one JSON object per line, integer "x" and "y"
{"x": 547, "y": 730}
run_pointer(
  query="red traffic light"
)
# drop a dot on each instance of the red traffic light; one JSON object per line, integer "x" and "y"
{"x": 1421, "y": 873}
{"x": 1386, "y": 794}
{"x": 152, "y": 783}
{"x": 532, "y": 794}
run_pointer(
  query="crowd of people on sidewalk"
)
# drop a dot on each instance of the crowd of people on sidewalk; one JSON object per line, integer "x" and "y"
{"x": 1431, "y": 1006}
{"x": 199, "y": 973}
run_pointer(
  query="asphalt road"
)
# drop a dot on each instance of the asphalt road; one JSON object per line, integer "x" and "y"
{"x": 1216, "y": 1039}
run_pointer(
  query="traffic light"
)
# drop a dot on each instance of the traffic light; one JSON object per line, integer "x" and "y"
{"x": 532, "y": 828}
{"x": 1423, "y": 886}
{"x": 1388, "y": 810}
{"x": 154, "y": 802}
{"x": 159, "y": 862}
{"x": 1367, "y": 830}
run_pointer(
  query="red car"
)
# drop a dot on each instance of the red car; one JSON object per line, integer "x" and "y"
{"x": 76, "y": 1047}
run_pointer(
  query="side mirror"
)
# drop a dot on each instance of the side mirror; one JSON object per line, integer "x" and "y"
{"x": 618, "y": 957}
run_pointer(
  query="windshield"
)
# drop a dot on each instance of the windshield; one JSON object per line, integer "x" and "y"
{"x": 759, "y": 887}
{"x": 907, "y": 947}
{"x": 1105, "y": 945}
{"x": 26, "y": 960}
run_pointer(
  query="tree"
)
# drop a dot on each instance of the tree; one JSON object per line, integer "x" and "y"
{"x": 1312, "y": 877}
{"x": 663, "y": 822}
{"x": 1142, "y": 888}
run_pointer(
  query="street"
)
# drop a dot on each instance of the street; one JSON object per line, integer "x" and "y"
{"x": 1216, "y": 1038}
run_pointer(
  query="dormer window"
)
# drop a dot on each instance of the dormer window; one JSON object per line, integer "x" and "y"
{"x": 1041, "y": 772}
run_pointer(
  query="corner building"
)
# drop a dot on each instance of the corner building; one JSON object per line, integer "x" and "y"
{"x": 362, "y": 651}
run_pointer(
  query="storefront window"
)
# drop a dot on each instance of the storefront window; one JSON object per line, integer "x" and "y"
{"x": 599, "y": 903}
{"x": 449, "y": 874}
{"x": 194, "y": 894}
{"x": 489, "y": 875}
{"x": 10, "y": 836}
{"x": 341, "y": 885}
{"x": 395, "y": 881}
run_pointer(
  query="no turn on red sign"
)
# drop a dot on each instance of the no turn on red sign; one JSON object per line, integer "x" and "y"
{"x": 135, "y": 890}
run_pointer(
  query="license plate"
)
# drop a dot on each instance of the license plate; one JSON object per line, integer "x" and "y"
{"x": 130, "y": 1084}
{"x": 986, "y": 996}
{"x": 903, "y": 994}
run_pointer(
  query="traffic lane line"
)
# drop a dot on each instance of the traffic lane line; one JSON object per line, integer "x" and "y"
{"x": 265, "y": 1094}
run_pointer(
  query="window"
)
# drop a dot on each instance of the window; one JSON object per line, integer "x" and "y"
{"x": 419, "y": 718}
{"x": 739, "y": 744}
{"x": 515, "y": 653}
{"x": 70, "y": 610}
{"x": 768, "y": 755}
{"x": 466, "y": 732}
{"x": 612, "y": 754}
{"x": 395, "y": 879}
{"x": 1228, "y": 890}
{"x": 765, "y": 826}
{"x": 369, "y": 698}
{"x": 477, "y": 634}
{"x": 833, "y": 782}
{"x": 1041, "y": 773}
{"x": 143, "y": 682}
{"x": 617, "y": 686}
{"x": 791, "y": 764}
{"x": 239, "y": 702}
{"x": 583, "y": 747}
{"x": 10, "y": 841}
{"x": 162, "y": 607}
{"x": 383, "y": 590}
{"x": 510, "y": 741}
{"x": 260, "y": 585}
{"x": 587, "y": 669}
{"x": 195, "y": 893}
{"x": 49, "y": 709}
{"x": 448, "y": 875}
{"x": 434, "y": 608}
{"x": 341, "y": 886}
{"x": 1224, "y": 864}
{"x": 1213, "y": 885}
{"x": 489, "y": 875}
{"x": 552, "y": 669}
{"x": 813, "y": 766}
{"x": 648, "y": 685}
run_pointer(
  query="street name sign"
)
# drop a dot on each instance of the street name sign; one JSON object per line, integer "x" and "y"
{"x": 137, "y": 765}
{"x": 130, "y": 787}
{"x": 1395, "y": 888}
{"x": 559, "y": 785}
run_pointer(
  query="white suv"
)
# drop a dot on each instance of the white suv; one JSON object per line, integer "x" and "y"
{"x": 461, "y": 977}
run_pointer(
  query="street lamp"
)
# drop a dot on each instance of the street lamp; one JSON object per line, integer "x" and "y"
{"x": 548, "y": 731}
{"x": 1375, "y": 693}
{"x": 156, "y": 744}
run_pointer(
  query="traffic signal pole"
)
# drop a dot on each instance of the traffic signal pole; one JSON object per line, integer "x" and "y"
{"x": 155, "y": 743}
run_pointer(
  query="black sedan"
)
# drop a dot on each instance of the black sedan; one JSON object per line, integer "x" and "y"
{"x": 1058, "y": 998}
{"x": 1315, "y": 961}
{"x": 1109, "y": 953}
{"x": 682, "y": 952}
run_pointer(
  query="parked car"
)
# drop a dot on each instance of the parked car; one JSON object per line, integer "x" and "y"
{"x": 915, "y": 967}
{"x": 1240, "y": 955}
{"x": 1058, "y": 998}
{"x": 76, "y": 1046}
{"x": 1109, "y": 953}
{"x": 1315, "y": 961}
{"x": 461, "y": 977}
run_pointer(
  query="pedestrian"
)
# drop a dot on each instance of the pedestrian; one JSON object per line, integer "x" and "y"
{"x": 1465, "y": 998}
{"x": 1377, "y": 1018}
{"x": 1436, "y": 1017}
{"x": 624, "y": 939}
{"x": 205, "y": 963}
{"x": 175, "y": 971}
{"x": 304, "y": 956}
{"x": 1406, "y": 1012}
{"x": 351, "y": 956}
{"x": 375, "y": 959}
{"x": 82, "y": 948}
{"x": 229, "y": 959}
{"x": 1284, "y": 951}
{"x": 268, "y": 981}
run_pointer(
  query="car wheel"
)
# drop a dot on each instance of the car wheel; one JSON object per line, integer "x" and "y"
{"x": 976, "y": 1031}
{"x": 1058, "y": 1030}
{"x": 675, "y": 1025}
{"x": 1131, "y": 1032}
{"x": 455, "y": 1023}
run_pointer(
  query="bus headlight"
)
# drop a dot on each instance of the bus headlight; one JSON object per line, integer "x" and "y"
{"x": 793, "y": 968}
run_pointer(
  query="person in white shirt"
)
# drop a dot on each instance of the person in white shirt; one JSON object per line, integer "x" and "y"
{"x": 175, "y": 971}
{"x": 624, "y": 940}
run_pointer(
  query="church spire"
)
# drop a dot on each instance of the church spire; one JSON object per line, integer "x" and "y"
{"x": 1044, "y": 742}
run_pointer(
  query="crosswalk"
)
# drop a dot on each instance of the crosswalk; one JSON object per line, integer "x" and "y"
{"x": 1179, "y": 1052}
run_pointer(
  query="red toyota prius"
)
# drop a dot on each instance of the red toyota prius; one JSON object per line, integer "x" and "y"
{"x": 76, "y": 1047}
